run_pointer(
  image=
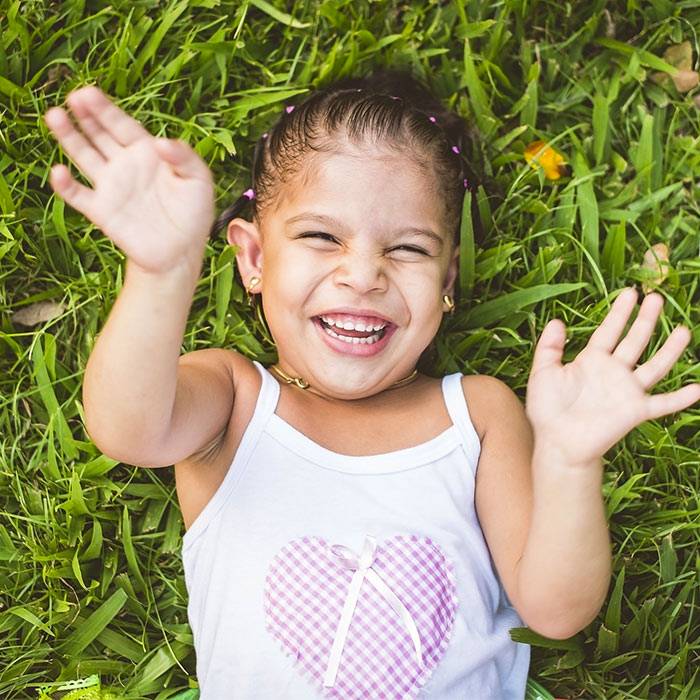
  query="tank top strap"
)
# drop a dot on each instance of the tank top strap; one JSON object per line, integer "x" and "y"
{"x": 456, "y": 404}
{"x": 265, "y": 406}
{"x": 268, "y": 396}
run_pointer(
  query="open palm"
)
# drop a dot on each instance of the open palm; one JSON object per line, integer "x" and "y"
{"x": 153, "y": 197}
{"x": 585, "y": 407}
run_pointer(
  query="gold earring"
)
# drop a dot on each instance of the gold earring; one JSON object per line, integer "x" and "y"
{"x": 254, "y": 282}
{"x": 447, "y": 300}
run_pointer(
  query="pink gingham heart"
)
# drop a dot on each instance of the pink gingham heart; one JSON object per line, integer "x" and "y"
{"x": 306, "y": 588}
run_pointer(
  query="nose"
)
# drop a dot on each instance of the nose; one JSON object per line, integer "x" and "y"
{"x": 362, "y": 271}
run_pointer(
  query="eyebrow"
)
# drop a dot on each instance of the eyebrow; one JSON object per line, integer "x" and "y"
{"x": 330, "y": 221}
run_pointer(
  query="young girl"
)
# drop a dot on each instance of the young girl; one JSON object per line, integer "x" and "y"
{"x": 355, "y": 529}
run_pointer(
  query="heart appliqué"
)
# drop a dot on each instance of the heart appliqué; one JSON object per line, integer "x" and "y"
{"x": 400, "y": 602}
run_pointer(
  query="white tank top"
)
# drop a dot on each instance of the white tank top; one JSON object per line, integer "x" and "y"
{"x": 312, "y": 574}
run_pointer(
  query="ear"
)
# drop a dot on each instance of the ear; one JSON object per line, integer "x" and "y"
{"x": 452, "y": 270}
{"x": 246, "y": 237}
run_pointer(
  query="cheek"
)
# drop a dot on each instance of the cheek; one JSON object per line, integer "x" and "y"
{"x": 293, "y": 278}
{"x": 422, "y": 283}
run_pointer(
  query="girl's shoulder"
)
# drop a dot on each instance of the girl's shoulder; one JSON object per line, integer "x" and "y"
{"x": 485, "y": 397}
{"x": 242, "y": 378}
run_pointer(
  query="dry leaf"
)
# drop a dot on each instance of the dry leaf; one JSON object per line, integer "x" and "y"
{"x": 38, "y": 313}
{"x": 57, "y": 74}
{"x": 680, "y": 56}
{"x": 685, "y": 80}
{"x": 609, "y": 25}
{"x": 656, "y": 263}
{"x": 553, "y": 163}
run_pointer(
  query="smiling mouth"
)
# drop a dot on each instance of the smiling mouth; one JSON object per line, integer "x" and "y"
{"x": 352, "y": 336}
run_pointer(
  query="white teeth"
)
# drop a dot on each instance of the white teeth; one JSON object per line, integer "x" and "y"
{"x": 353, "y": 341}
{"x": 350, "y": 326}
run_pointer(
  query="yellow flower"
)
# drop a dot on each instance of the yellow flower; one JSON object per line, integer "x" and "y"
{"x": 553, "y": 163}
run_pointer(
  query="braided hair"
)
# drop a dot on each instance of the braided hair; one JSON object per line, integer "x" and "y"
{"x": 390, "y": 107}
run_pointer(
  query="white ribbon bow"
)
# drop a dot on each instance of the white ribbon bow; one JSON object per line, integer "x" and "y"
{"x": 363, "y": 568}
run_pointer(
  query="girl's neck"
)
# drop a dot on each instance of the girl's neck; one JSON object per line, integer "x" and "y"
{"x": 306, "y": 387}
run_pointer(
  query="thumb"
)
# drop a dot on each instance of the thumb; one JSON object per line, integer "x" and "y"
{"x": 184, "y": 160}
{"x": 550, "y": 347}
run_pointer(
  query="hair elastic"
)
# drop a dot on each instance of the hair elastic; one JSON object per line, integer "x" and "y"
{"x": 250, "y": 193}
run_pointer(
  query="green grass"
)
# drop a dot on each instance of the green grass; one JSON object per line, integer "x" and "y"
{"x": 90, "y": 575}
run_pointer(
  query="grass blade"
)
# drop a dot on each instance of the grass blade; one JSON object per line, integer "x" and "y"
{"x": 587, "y": 206}
{"x": 499, "y": 309}
{"x": 91, "y": 627}
{"x": 466, "y": 248}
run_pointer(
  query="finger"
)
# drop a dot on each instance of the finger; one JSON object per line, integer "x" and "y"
{"x": 663, "y": 404}
{"x": 637, "y": 338}
{"x": 183, "y": 159}
{"x": 550, "y": 347}
{"x": 121, "y": 127}
{"x": 81, "y": 151}
{"x": 660, "y": 364}
{"x": 607, "y": 334}
{"x": 77, "y": 195}
{"x": 98, "y": 135}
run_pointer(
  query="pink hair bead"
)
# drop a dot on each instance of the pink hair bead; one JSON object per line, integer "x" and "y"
{"x": 455, "y": 149}
{"x": 432, "y": 119}
{"x": 289, "y": 108}
{"x": 249, "y": 193}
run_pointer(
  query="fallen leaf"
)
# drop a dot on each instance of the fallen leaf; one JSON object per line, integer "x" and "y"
{"x": 38, "y": 313}
{"x": 657, "y": 266}
{"x": 685, "y": 80}
{"x": 553, "y": 163}
{"x": 680, "y": 56}
{"x": 609, "y": 25}
{"x": 57, "y": 74}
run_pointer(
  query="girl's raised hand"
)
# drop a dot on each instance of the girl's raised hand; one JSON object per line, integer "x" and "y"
{"x": 153, "y": 197}
{"x": 583, "y": 408}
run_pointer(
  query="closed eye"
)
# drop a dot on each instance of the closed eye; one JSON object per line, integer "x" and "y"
{"x": 413, "y": 249}
{"x": 325, "y": 236}
{"x": 332, "y": 239}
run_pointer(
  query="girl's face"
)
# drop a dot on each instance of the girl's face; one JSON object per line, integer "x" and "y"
{"x": 359, "y": 240}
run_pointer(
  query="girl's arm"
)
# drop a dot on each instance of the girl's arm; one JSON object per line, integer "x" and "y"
{"x": 544, "y": 521}
{"x": 564, "y": 572}
{"x": 578, "y": 411}
{"x": 143, "y": 403}
{"x": 154, "y": 199}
